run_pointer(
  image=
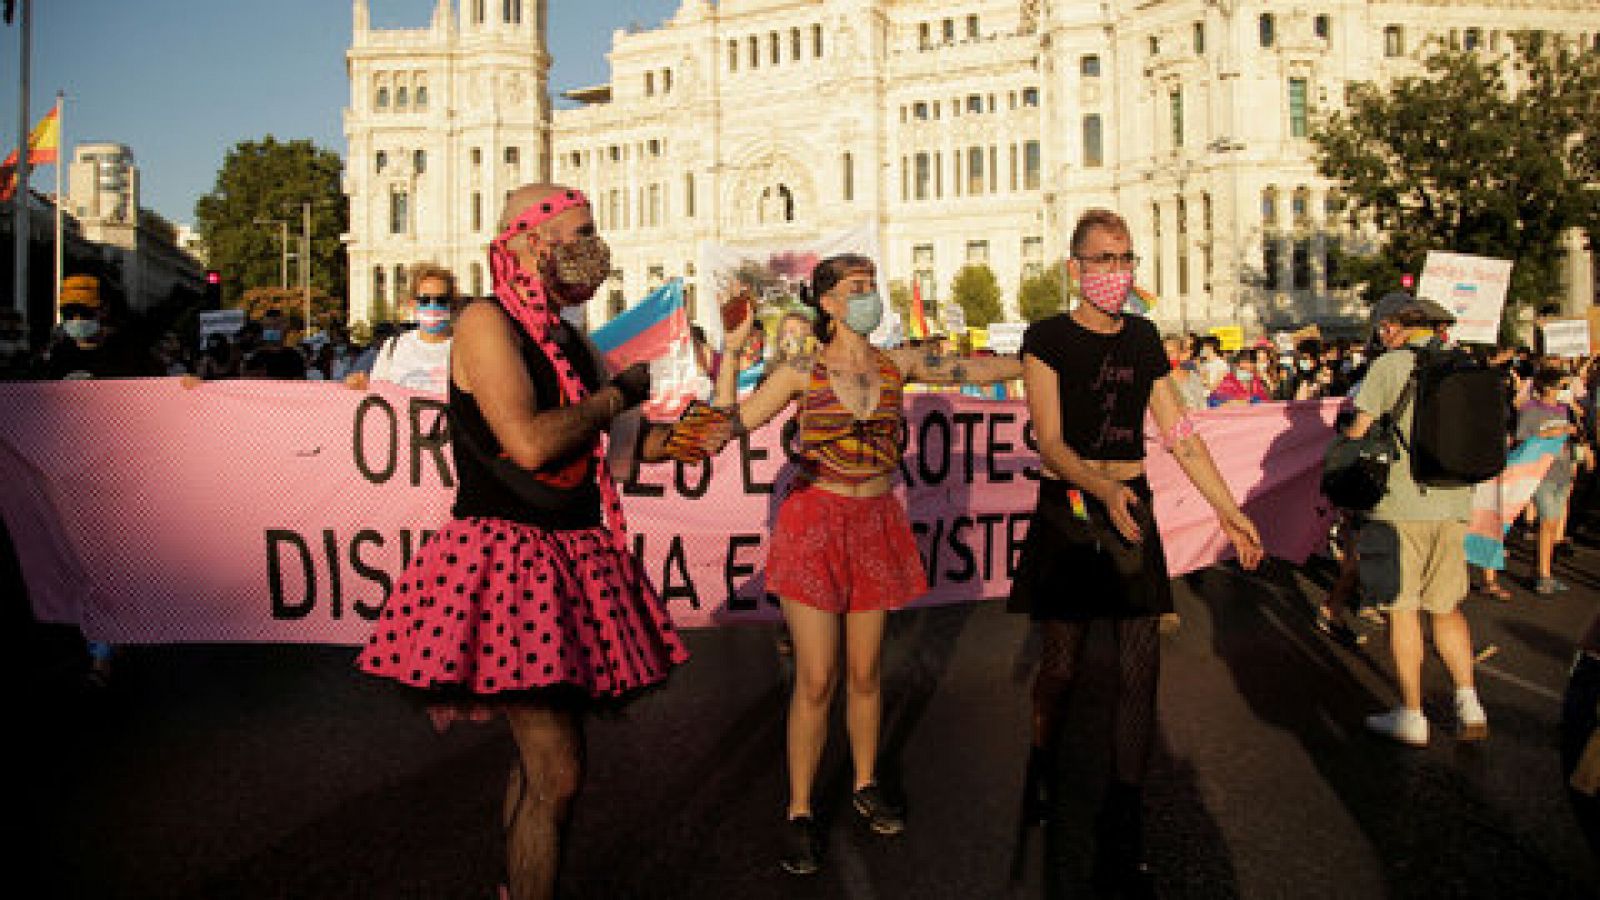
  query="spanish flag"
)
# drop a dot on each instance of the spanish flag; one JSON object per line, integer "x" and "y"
{"x": 44, "y": 149}
{"x": 917, "y": 327}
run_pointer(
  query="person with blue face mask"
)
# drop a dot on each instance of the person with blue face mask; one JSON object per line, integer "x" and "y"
{"x": 272, "y": 359}
{"x": 842, "y": 553}
{"x": 418, "y": 359}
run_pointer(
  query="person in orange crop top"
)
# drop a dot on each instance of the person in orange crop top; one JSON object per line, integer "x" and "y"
{"x": 842, "y": 553}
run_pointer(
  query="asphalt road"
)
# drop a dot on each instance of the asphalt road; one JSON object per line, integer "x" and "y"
{"x": 275, "y": 771}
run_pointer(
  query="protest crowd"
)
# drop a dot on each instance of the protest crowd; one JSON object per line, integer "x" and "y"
{"x": 531, "y": 401}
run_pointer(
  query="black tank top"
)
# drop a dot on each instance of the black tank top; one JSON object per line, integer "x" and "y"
{"x": 561, "y": 495}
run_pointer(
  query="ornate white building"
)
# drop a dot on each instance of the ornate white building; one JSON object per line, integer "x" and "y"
{"x": 961, "y": 130}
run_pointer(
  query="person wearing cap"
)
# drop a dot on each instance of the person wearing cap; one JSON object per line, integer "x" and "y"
{"x": 1412, "y": 547}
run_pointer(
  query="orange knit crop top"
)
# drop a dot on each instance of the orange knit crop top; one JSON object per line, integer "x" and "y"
{"x": 837, "y": 446}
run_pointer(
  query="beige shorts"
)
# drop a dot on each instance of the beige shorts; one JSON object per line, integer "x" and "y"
{"x": 1413, "y": 565}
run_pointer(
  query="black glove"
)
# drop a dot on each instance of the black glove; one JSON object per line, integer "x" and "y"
{"x": 633, "y": 383}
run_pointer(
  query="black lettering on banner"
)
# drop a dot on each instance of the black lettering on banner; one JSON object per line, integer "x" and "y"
{"x": 989, "y": 521}
{"x": 432, "y": 441}
{"x": 1014, "y": 540}
{"x": 963, "y": 551}
{"x": 631, "y": 486}
{"x": 734, "y": 569}
{"x": 680, "y": 479}
{"x": 967, "y": 421}
{"x": 934, "y": 535}
{"x": 933, "y": 420}
{"x": 371, "y": 573}
{"x": 996, "y": 448}
{"x": 330, "y": 546}
{"x": 681, "y": 585}
{"x": 747, "y": 455}
{"x": 281, "y": 607}
{"x": 376, "y": 476}
{"x": 1031, "y": 441}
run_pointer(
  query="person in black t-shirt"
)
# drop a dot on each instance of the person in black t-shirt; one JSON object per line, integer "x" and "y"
{"x": 1092, "y": 551}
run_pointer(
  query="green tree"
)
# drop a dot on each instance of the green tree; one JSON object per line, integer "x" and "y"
{"x": 1490, "y": 156}
{"x": 271, "y": 179}
{"x": 900, "y": 298}
{"x": 977, "y": 292}
{"x": 1040, "y": 296}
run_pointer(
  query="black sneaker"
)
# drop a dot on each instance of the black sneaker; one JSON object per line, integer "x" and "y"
{"x": 882, "y": 816}
{"x": 802, "y": 848}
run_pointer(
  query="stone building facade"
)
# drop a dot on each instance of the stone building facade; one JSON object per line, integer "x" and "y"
{"x": 962, "y": 131}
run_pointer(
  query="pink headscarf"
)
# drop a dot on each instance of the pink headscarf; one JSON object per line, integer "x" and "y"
{"x": 524, "y": 297}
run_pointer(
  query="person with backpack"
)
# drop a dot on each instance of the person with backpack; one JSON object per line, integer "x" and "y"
{"x": 1412, "y": 546}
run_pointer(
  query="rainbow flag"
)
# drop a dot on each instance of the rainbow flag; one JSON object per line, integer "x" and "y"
{"x": 646, "y": 331}
{"x": 1497, "y": 503}
{"x": 917, "y": 326}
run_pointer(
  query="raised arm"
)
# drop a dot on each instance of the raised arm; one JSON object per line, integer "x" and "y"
{"x": 1190, "y": 451}
{"x": 486, "y": 361}
{"x": 933, "y": 368}
{"x": 727, "y": 386}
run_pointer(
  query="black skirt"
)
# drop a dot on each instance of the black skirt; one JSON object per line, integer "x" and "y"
{"x": 1076, "y": 566}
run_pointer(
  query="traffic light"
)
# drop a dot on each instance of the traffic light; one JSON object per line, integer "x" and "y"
{"x": 213, "y": 289}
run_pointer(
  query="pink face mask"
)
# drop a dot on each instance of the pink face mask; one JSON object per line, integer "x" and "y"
{"x": 1108, "y": 291}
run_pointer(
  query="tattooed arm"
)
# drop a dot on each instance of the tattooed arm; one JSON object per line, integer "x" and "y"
{"x": 923, "y": 365}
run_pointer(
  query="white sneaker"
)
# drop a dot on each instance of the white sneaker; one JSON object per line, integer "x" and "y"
{"x": 1408, "y": 726}
{"x": 1471, "y": 721}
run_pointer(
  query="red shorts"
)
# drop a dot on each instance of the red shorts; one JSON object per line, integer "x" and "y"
{"x": 844, "y": 554}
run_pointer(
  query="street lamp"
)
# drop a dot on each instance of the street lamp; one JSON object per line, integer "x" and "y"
{"x": 283, "y": 242}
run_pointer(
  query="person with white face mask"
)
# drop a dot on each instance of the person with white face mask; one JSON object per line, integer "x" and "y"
{"x": 418, "y": 359}
{"x": 842, "y": 552}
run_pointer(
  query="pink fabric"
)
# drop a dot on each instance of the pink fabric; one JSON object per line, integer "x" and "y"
{"x": 282, "y": 511}
{"x": 526, "y": 298}
{"x": 1230, "y": 388}
{"x": 495, "y": 607}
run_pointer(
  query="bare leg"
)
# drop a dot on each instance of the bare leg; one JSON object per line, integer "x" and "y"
{"x": 1548, "y": 529}
{"x": 816, "y": 671}
{"x": 863, "y": 650}
{"x": 1405, "y": 643}
{"x": 539, "y": 797}
{"x": 1453, "y": 639}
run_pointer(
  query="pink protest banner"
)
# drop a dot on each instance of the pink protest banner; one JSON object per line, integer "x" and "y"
{"x": 282, "y": 512}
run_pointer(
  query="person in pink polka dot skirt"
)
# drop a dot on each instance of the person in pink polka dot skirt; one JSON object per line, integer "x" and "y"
{"x": 528, "y": 603}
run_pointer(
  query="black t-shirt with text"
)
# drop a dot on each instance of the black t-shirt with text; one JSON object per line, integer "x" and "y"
{"x": 1104, "y": 381}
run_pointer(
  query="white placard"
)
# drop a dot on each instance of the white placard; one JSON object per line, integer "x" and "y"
{"x": 955, "y": 318}
{"x": 225, "y": 322}
{"x": 1566, "y": 337}
{"x": 1472, "y": 288}
{"x": 1005, "y": 338}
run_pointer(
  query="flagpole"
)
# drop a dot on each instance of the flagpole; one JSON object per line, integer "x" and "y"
{"x": 19, "y": 212}
{"x": 61, "y": 149}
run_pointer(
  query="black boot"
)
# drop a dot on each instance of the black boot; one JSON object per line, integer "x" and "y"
{"x": 1120, "y": 869}
{"x": 1037, "y": 796}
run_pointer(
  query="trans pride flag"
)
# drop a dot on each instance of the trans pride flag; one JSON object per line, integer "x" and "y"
{"x": 656, "y": 331}
{"x": 1497, "y": 503}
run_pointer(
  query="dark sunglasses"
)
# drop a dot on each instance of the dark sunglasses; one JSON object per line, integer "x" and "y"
{"x": 441, "y": 301}
{"x": 1131, "y": 260}
{"x": 77, "y": 311}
